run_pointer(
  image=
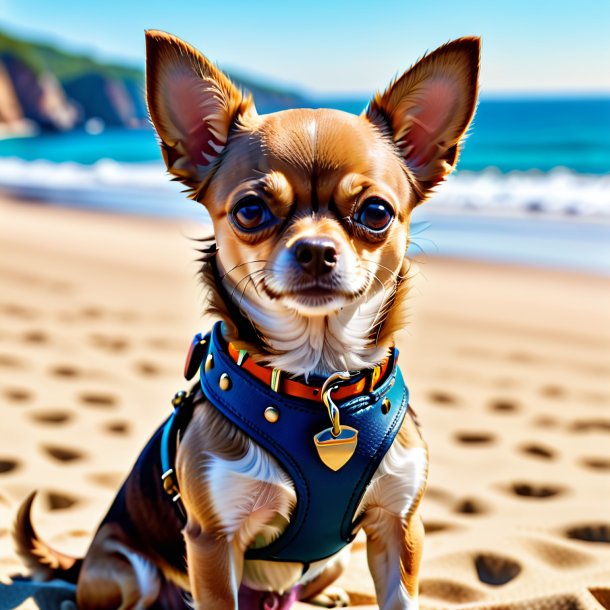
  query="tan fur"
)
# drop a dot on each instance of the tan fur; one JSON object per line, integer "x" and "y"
{"x": 310, "y": 173}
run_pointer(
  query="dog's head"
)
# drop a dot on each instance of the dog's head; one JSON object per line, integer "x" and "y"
{"x": 310, "y": 208}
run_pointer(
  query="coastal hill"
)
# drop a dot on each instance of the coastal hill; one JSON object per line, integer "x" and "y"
{"x": 44, "y": 88}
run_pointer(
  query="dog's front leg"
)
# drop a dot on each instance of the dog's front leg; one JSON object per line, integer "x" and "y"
{"x": 394, "y": 548}
{"x": 215, "y": 568}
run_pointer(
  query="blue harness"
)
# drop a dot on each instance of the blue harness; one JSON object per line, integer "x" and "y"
{"x": 322, "y": 522}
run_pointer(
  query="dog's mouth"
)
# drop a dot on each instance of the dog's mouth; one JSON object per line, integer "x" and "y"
{"x": 315, "y": 297}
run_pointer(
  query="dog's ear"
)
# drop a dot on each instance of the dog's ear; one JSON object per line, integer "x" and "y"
{"x": 427, "y": 110}
{"x": 192, "y": 105}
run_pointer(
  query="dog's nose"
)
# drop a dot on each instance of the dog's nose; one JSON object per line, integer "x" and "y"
{"x": 316, "y": 256}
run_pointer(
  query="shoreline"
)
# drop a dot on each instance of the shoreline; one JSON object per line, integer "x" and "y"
{"x": 507, "y": 369}
{"x": 539, "y": 241}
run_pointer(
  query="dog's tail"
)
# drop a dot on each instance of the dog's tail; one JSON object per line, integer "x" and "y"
{"x": 43, "y": 562}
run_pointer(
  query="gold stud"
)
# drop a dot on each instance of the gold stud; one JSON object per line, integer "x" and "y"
{"x": 178, "y": 398}
{"x": 224, "y": 382}
{"x": 272, "y": 414}
{"x": 386, "y": 405}
{"x": 209, "y": 363}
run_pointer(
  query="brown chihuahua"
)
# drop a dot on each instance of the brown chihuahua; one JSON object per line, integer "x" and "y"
{"x": 308, "y": 274}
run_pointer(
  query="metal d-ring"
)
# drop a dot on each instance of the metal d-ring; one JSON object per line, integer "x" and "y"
{"x": 330, "y": 385}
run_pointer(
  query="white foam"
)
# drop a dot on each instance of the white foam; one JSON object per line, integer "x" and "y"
{"x": 140, "y": 188}
{"x": 146, "y": 186}
{"x": 559, "y": 191}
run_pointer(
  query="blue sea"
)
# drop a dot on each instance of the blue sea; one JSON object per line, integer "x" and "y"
{"x": 533, "y": 184}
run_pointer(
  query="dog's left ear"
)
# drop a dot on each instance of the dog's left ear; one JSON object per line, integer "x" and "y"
{"x": 192, "y": 105}
{"x": 428, "y": 109}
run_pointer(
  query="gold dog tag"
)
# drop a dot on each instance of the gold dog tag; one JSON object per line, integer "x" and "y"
{"x": 336, "y": 444}
{"x": 335, "y": 452}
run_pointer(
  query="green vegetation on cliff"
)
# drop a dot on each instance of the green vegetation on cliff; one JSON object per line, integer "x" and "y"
{"x": 42, "y": 57}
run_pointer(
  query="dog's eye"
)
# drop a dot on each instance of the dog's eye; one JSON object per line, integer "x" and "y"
{"x": 251, "y": 213}
{"x": 375, "y": 214}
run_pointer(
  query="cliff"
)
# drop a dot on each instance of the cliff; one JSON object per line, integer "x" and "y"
{"x": 43, "y": 88}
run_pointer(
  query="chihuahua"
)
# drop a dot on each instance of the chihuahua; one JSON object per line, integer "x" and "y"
{"x": 298, "y": 433}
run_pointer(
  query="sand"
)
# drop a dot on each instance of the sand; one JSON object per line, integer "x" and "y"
{"x": 508, "y": 370}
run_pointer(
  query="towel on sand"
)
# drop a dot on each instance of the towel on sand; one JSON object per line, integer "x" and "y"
{"x": 53, "y": 595}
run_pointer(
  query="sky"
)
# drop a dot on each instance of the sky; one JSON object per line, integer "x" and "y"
{"x": 343, "y": 47}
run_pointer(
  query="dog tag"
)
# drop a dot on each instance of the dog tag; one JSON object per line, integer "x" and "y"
{"x": 336, "y": 444}
{"x": 336, "y": 451}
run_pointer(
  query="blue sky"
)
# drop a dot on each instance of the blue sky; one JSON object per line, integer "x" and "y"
{"x": 321, "y": 46}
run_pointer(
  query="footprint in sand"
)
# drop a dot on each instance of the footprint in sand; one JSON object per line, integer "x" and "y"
{"x": 122, "y": 428}
{"x": 593, "y": 532}
{"x": 475, "y": 438}
{"x": 147, "y": 369}
{"x": 503, "y": 406}
{"x": 98, "y": 399}
{"x": 110, "y": 343}
{"x": 17, "y": 395}
{"x": 600, "y": 464}
{"x": 538, "y": 451}
{"x": 52, "y": 417}
{"x": 442, "y": 398}
{"x": 59, "y": 500}
{"x": 35, "y": 336}
{"x": 470, "y": 506}
{"x": 535, "y": 490}
{"x": 66, "y": 371}
{"x": 553, "y": 391}
{"x": 8, "y": 465}
{"x": 496, "y": 570}
{"x": 18, "y": 311}
{"x": 590, "y": 425}
{"x": 449, "y": 590}
{"x": 63, "y": 454}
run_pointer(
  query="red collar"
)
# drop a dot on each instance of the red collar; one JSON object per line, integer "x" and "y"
{"x": 276, "y": 379}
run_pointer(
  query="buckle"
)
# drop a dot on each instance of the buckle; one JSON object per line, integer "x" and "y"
{"x": 170, "y": 485}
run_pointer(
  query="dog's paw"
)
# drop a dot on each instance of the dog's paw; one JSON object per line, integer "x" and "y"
{"x": 331, "y": 597}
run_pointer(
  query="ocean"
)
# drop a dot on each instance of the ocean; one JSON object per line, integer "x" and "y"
{"x": 533, "y": 184}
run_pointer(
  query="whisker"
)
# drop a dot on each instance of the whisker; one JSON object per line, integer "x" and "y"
{"x": 250, "y": 277}
{"x": 242, "y": 279}
{"x": 260, "y": 260}
{"x": 398, "y": 275}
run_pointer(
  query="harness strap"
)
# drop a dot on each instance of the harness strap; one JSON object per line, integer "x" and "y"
{"x": 170, "y": 439}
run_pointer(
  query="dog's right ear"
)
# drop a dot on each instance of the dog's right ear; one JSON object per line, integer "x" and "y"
{"x": 192, "y": 105}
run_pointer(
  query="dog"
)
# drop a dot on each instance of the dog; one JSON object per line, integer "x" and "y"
{"x": 299, "y": 433}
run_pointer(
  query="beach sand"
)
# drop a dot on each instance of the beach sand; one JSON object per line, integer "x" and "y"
{"x": 508, "y": 370}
